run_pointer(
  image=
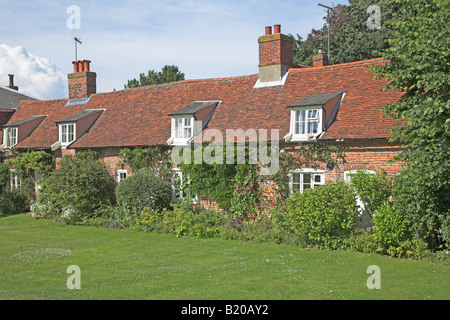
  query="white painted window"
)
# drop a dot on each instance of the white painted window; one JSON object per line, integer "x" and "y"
{"x": 67, "y": 133}
{"x": 122, "y": 174}
{"x": 303, "y": 179}
{"x": 10, "y": 136}
{"x": 179, "y": 193}
{"x": 183, "y": 129}
{"x": 306, "y": 123}
{"x": 14, "y": 180}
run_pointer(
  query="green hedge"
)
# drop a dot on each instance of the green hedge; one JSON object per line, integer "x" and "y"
{"x": 324, "y": 216}
{"x": 144, "y": 190}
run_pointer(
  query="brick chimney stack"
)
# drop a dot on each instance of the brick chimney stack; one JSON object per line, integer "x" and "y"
{"x": 320, "y": 60}
{"x": 276, "y": 54}
{"x": 82, "y": 82}
{"x": 11, "y": 82}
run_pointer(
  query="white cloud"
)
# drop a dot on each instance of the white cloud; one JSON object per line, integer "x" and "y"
{"x": 36, "y": 76}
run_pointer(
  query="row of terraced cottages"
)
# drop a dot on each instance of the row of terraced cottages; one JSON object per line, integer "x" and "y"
{"x": 334, "y": 104}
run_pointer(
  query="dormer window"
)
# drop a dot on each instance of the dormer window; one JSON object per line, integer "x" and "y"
{"x": 74, "y": 127}
{"x": 14, "y": 133}
{"x": 10, "y": 137}
{"x": 313, "y": 115}
{"x": 190, "y": 120}
{"x": 67, "y": 133}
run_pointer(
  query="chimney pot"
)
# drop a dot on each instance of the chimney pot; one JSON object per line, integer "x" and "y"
{"x": 268, "y": 30}
{"x": 80, "y": 66}
{"x": 86, "y": 65}
{"x": 11, "y": 82}
{"x": 82, "y": 83}
{"x": 75, "y": 66}
{"x": 277, "y": 28}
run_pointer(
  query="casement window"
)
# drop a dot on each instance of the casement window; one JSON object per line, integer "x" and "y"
{"x": 122, "y": 174}
{"x": 14, "y": 180}
{"x": 10, "y": 136}
{"x": 183, "y": 129}
{"x": 178, "y": 185}
{"x": 303, "y": 179}
{"x": 306, "y": 123}
{"x": 66, "y": 133}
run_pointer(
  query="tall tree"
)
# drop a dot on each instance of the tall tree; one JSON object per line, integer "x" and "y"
{"x": 357, "y": 32}
{"x": 418, "y": 64}
{"x": 166, "y": 75}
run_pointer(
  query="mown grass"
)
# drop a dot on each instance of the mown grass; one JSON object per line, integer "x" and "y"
{"x": 122, "y": 264}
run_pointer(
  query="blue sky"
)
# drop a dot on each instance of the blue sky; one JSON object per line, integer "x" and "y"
{"x": 205, "y": 39}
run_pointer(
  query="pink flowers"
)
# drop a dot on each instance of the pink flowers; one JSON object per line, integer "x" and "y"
{"x": 391, "y": 199}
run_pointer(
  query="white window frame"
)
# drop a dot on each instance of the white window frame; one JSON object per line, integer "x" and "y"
{"x": 10, "y": 139}
{"x": 65, "y": 136}
{"x": 14, "y": 180}
{"x": 307, "y": 121}
{"x": 177, "y": 190}
{"x": 302, "y": 172}
{"x": 181, "y": 125}
{"x": 120, "y": 173}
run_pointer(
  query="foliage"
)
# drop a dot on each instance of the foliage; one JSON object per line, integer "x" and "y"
{"x": 166, "y": 75}
{"x": 373, "y": 190}
{"x": 350, "y": 37}
{"x": 390, "y": 226}
{"x": 81, "y": 185}
{"x": 155, "y": 157}
{"x": 39, "y": 161}
{"x": 308, "y": 155}
{"x": 4, "y": 177}
{"x": 425, "y": 207}
{"x": 221, "y": 180}
{"x": 144, "y": 189}
{"x": 323, "y": 216}
{"x": 418, "y": 66}
{"x": 13, "y": 202}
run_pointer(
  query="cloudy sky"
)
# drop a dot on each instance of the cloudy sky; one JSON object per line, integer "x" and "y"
{"x": 204, "y": 38}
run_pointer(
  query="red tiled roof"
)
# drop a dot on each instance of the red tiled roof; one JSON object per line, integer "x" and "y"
{"x": 139, "y": 117}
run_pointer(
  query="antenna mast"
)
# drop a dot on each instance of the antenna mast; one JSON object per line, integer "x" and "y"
{"x": 328, "y": 27}
{"x": 77, "y": 40}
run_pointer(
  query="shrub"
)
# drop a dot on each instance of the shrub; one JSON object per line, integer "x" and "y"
{"x": 425, "y": 207}
{"x": 144, "y": 190}
{"x": 390, "y": 227}
{"x": 324, "y": 216}
{"x": 372, "y": 189}
{"x": 79, "y": 187}
{"x": 13, "y": 202}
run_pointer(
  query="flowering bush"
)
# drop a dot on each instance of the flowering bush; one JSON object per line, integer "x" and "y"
{"x": 246, "y": 199}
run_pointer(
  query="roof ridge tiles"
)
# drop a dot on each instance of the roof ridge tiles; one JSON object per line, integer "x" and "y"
{"x": 341, "y": 65}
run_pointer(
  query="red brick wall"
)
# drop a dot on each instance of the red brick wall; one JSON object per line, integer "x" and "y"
{"x": 82, "y": 84}
{"x": 275, "y": 49}
{"x": 372, "y": 155}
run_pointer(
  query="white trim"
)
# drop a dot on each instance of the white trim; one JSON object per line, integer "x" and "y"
{"x": 119, "y": 172}
{"x": 183, "y": 140}
{"x": 313, "y": 182}
{"x": 306, "y": 136}
{"x": 280, "y": 82}
{"x": 7, "y": 136}
{"x": 74, "y": 124}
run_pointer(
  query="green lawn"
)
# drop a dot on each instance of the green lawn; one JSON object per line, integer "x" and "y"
{"x": 120, "y": 264}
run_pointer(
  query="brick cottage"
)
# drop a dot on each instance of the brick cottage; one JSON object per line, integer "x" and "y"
{"x": 335, "y": 104}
